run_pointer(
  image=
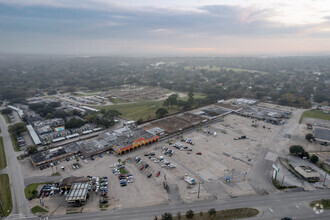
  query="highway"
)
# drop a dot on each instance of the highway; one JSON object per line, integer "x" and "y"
{"x": 275, "y": 206}
{"x": 21, "y": 206}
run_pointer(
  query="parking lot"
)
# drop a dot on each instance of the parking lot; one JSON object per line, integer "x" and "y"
{"x": 207, "y": 155}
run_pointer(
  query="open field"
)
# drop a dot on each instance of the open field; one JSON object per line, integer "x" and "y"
{"x": 223, "y": 214}
{"x": 5, "y": 195}
{"x": 314, "y": 114}
{"x": 145, "y": 110}
{"x": 3, "y": 161}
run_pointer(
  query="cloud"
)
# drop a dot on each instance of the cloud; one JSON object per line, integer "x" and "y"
{"x": 198, "y": 28}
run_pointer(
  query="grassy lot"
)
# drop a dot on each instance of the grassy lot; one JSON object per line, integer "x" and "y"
{"x": 324, "y": 202}
{"x": 37, "y": 209}
{"x": 15, "y": 143}
{"x": 30, "y": 190}
{"x": 5, "y": 195}
{"x": 144, "y": 110}
{"x": 3, "y": 161}
{"x": 7, "y": 118}
{"x": 223, "y": 214}
{"x": 314, "y": 114}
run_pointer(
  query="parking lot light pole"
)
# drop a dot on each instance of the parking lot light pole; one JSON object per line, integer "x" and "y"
{"x": 199, "y": 189}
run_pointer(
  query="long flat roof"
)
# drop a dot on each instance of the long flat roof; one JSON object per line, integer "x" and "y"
{"x": 322, "y": 133}
{"x": 78, "y": 191}
{"x": 33, "y": 134}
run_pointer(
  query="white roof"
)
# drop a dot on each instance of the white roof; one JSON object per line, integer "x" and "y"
{"x": 33, "y": 134}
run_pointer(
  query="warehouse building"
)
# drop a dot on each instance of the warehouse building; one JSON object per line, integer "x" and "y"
{"x": 321, "y": 134}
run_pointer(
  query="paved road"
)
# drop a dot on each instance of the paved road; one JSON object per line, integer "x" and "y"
{"x": 20, "y": 204}
{"x": 295, "y": 204}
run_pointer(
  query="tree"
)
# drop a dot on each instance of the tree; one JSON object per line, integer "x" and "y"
{"x": 74, "y": 123}
{"x": 297, "y": 150}
{"x": 7, "y": 111}
{"x": 314, "y": 158}
{"x": 179, "y": 215}
{"x": 167, "y": 216}
{"x": 32, "y": 149}
{"x": 119, "y": 160}
{"x": 161, "y": 112}
{"x": 17, "y": 128}
{"x": 309, "y": 137}
{"x": 190, "y": 214}
{"x": 212, "y": 212}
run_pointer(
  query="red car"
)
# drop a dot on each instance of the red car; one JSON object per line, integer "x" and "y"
{"x": 141, "y": 168}
{"x": 158, "y": 173}
{"x": 199, "y": 153}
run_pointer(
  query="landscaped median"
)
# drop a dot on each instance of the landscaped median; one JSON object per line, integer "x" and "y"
{"x": 325, "y": 203}
{"x": 3, "y": 161}
{"x": 6, "y": 204}
{"x": 212, "y": 214}
{"x": 8, "y": 121}
{"x": 38, "y": 209}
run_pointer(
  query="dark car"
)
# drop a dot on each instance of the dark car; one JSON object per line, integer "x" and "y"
{"x": 199, "y": 153}
{"x": 157, "y": 174}
{"x": 149, "y": 175}
{"x": 146, "y": 166}
{"x": 92, "y": 158}
{"x": 286, "y": 218}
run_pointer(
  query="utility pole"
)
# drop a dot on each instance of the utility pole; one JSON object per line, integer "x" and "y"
{"x": 199, "y": 188}
{"x": 282, "y": 180}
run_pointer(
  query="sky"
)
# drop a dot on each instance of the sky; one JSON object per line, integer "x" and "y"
{"x": 165, "y": 27}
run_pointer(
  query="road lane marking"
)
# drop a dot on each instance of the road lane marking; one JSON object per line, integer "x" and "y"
{"x": 271, "y": 209}
{"x": 297, "y": 207}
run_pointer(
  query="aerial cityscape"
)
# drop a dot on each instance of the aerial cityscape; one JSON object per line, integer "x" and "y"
{"x": 164, "y": 109}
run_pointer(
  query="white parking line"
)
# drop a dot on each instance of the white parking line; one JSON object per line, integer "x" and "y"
{"x": 271, "y": 209}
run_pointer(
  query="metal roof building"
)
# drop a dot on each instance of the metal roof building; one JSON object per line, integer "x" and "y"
{"x": 33, "y": 134}
{"x": 78, "y": 192}
{"x": 321, "y": 134}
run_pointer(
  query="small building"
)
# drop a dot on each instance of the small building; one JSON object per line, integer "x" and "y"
{"x": 78, "y": 193}
{"x": 33, "y": 135}
{"x": 321, "y": 134}
{"x": 69, "y": 181}
{"x": 308, "y": 173}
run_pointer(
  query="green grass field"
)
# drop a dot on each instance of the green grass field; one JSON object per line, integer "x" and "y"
{"x": 8, "y": 121}
{"x": 14, "y": 142}
{"x": 314, "y": 114}
{"x": 5, "y": 195}
{"x": 223, "y": 214}
{"x": 37, "y": 209}
{"x": 3, "y": 161}
{"x": 144, "y": 110}
{"x": 30, "y": 189}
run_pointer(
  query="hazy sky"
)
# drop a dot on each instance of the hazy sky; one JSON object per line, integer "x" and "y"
{"x": 165, "y": 27}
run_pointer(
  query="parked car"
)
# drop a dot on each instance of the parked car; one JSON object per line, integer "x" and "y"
{"x": 149, "y": 175}
{"x": 157, "y": 174}
{"x": 199, "y": 153}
